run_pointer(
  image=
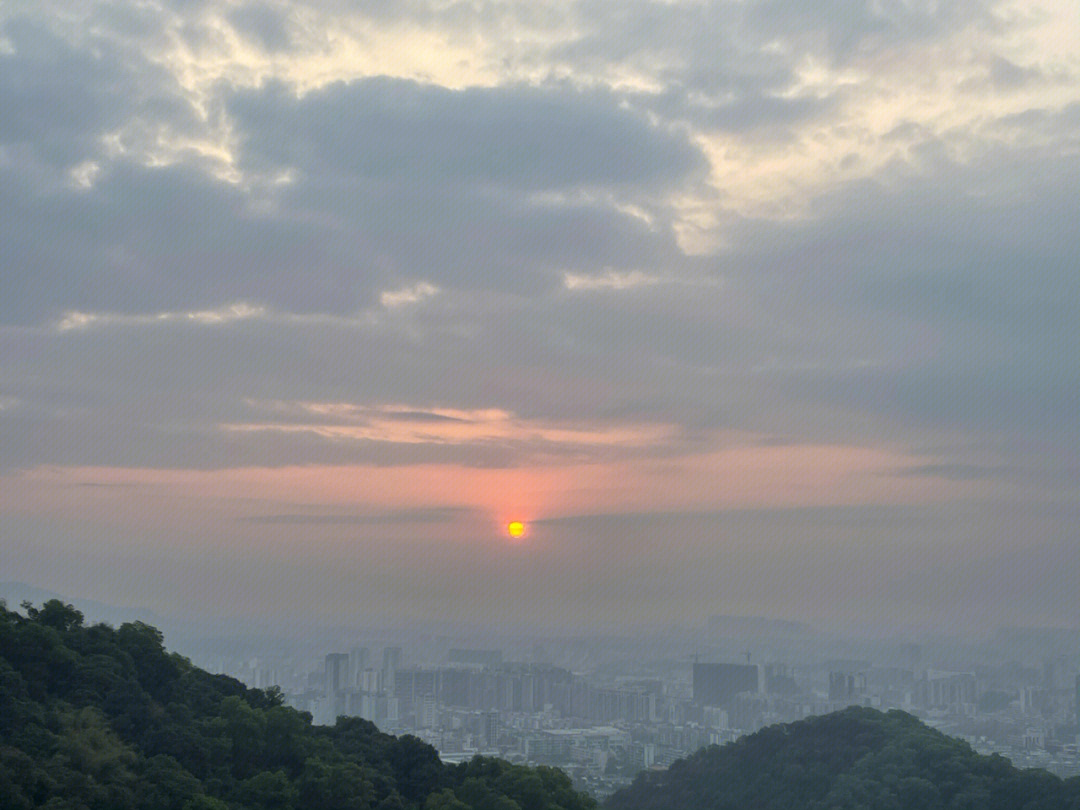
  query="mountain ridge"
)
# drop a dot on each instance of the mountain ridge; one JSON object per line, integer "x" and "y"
{"x": 100, "y": 718}
{"x": 855, "y": 759}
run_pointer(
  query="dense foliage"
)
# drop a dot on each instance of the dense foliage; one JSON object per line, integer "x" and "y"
{"x": 853, "y": 759}
{"x": 96, "y": 718}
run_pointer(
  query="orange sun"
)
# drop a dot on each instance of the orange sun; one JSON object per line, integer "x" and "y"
{"x": 515, "y": 528}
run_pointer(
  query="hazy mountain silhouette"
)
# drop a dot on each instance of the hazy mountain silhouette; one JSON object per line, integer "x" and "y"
{"x": 855, "y": 758}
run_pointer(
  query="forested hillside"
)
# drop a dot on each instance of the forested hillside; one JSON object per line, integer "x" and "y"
{"x": 97, "y": 718}
{"x": 855, "y": 759}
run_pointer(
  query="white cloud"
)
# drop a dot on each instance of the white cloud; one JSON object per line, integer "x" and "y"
{"x": 623, "y": 280}
{"x": 76, "y": 320}
{"x": 392, "y": 299}
{"x": 782, "y": 111}
{"x": 411, "y": 424}
{"x": 84, "y": 174}
{"x": 611, "y": 280}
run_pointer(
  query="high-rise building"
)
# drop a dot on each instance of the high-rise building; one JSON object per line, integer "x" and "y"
{"x": 1078, "y": 701}
{"x": 718, "y": 684}
{"x": 391, "y": 663}
{"x": 427, "y": 714}
{"x": 778, "y": 680}
{"x": 845, "y": 686}
{"x": 337, "y": 673}
{"x": 490, "y": 728}
{"x": 946, "y": 690}
{"x": 369, "y": 680}
{"x": 358, "y": 662}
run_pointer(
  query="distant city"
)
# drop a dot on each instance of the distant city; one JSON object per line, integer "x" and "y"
{"x": 604, "y": 708}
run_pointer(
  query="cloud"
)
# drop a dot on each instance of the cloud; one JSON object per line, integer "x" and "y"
{"x": 408, "y": 424}
{"x": 144, "y": 240}
{"x": 418, "y": 189}
{"x": 610, "y": 280}
{"x": 393, "y": 517}
{"x": 963, "y": 472}
{"x": 265, "y": 24}
{"x": 848, "y": 31}
{"x": 392, "y": 299}
{"x": 667, "y": 247}
{"x": 60, "y": 100}
{"x": 206, "y": 317}
{"x": 392, "y": 130}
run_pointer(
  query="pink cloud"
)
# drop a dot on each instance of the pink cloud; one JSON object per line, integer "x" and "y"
{"x": 743, "y": 475}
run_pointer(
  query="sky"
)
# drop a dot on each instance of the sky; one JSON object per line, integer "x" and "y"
{"x": 754, "y": 307}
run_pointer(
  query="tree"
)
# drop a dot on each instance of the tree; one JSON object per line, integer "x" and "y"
{"x": 96, "y": 718}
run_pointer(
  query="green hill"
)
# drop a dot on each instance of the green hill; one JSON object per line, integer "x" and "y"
{"x": 96, "y": 718}
{"x": 855, "y": 758}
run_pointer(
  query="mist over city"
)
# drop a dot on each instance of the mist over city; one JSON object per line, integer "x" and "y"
{"x": 572, "y": 384}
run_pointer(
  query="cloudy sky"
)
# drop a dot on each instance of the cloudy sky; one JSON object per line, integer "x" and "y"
{"x": 758, "y": 307}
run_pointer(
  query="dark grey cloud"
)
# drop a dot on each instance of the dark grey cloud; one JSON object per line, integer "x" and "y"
{"x": 732, "y": 45}
{"x": 480, "y": 239}
{"x": 710, "y": 47}
{"x": 45, "y": 107}
{"x": 95, "y": 439}
{"x": 713, "y": 62}
{"x": 743, "y": 520}
{"x": 960, "y": 282}
{"x": 920, "y": 307}
{"x": 60, "y": 100}
{"x": 154, "y": 239}
{"x": 146, "y": 240}
{"x": 393, "y": 517}
{"x": 1055, "y": 125}
{"x": 944, "y": 300}
{"x": 263, "y": 23}
{"x": 190, "y": 378}
{"x": 1005, "y": 74}
{"x": 734, "y": 67}
{"x": 856, "y": 29}
{"x": 394, "y": 181}
{"x": 748, "y": 112}
{"x": 1052, "y": 471}
{"x": 398, "y": 131}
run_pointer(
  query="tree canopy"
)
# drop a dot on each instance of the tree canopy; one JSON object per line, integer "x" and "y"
{"x": 855, "y": 759}
{"x": 97, "y": 718}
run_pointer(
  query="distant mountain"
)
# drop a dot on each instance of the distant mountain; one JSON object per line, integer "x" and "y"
{"x": 855, "y": 759}
{"x": 756, "y": 627}
{"x": 15, "y": 593}
{"x": 97, "y": 718}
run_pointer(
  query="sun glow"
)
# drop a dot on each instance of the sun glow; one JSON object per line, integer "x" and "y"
{"x": 515, "y": 528}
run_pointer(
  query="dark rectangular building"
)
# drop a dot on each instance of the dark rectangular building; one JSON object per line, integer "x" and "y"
{"x": 718, "y": 684}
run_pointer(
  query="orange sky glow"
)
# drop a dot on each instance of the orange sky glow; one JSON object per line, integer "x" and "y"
{"x": 732, "y": 477}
